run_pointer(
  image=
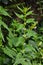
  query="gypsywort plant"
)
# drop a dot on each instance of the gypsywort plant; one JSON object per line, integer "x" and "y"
{"x": 22, "y": 38}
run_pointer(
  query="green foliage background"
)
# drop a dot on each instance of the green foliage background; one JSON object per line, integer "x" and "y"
{"x": 21, "y": 33}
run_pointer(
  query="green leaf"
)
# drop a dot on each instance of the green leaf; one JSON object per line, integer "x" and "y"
{"x": 1, "y": 37}
{"x": 20, "y": 9}
{"x": 21, "y": 60}
{"x": 3, "y": 11}
{"x": 29, "y": 48}
{"x": 29, "y": 13}
{"x": 20, "y": 41}
{"x": 20, "y": 27}
{"x": 34, "y": 44}
{"x": 30, "y": 20}
{"x": 21, "y": 16}
{"x": 31, "y": 33}
{"x": 2, "y": 23}
{"x": 10, "y": 52}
